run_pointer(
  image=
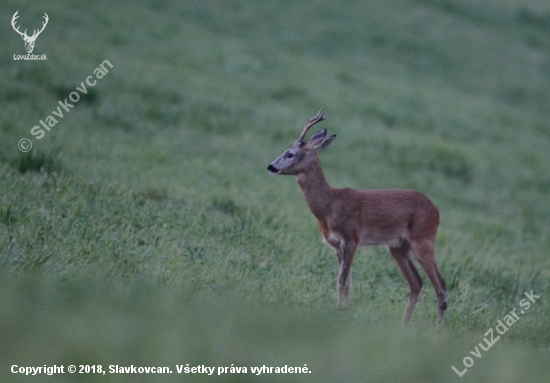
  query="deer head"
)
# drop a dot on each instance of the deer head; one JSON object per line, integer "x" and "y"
{"x": 29, "y": 40}
{"x": 299, "y": 155}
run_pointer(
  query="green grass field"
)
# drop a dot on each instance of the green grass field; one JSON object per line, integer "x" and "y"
{"x": 143, "y": 229}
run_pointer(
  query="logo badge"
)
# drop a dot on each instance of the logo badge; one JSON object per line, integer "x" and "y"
{"x": 29, "y": 40}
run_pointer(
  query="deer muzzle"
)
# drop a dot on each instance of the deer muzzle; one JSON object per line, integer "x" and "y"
{"x": 273, "y": 170}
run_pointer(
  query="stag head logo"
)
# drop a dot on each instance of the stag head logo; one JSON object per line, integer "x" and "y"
{"x": 29, "y": 40}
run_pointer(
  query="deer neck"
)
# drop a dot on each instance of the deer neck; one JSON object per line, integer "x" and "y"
{"x": 317, "y": 191}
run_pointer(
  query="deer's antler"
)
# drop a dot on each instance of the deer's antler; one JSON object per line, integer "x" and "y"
{"x": 312, "y": 121}
{"x": 24, "y": 34}
{"x": 15, "y": 17}
{"x": 44, "y": 23}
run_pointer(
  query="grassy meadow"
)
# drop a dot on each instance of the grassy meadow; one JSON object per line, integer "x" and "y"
{"x": 143, "y": 229}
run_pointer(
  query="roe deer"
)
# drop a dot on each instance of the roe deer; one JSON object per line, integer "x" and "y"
{"x": 404, "y": 220}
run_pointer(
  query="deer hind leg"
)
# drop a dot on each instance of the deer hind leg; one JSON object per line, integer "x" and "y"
{"x": 425, "y": 254}
{"x": 345, "y": 253}
{"x": 401, "y": 256}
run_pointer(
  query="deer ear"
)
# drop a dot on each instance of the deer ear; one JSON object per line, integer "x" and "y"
{"x": 320, "y": 134}
{"x": 321, "y": 143}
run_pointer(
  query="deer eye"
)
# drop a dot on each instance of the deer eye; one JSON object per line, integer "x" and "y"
{"x": 289, "y": 155}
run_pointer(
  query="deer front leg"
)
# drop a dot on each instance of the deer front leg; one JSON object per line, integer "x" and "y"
{"x": 345, "y": 253}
